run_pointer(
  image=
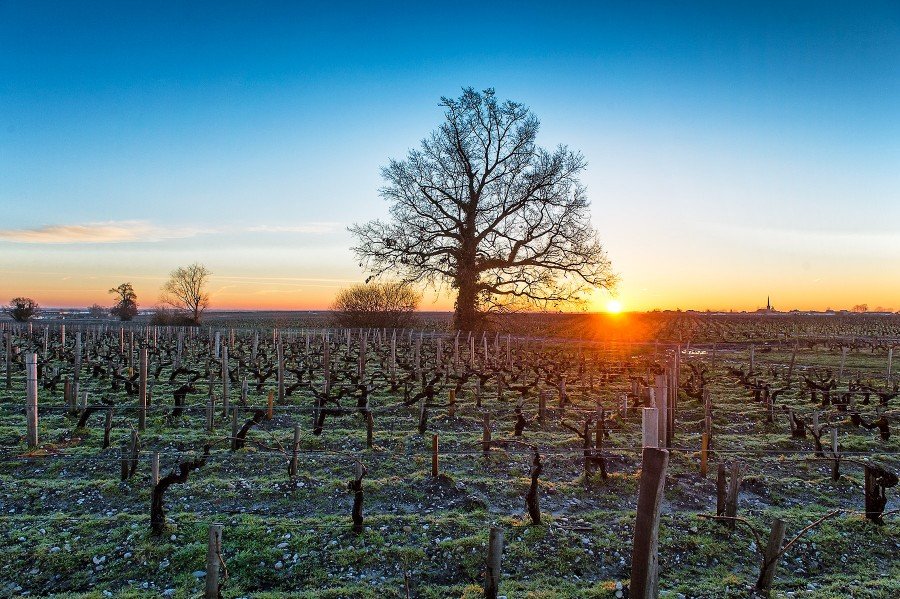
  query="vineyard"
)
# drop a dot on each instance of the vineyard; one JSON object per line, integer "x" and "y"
{"x": 706, "y": 456}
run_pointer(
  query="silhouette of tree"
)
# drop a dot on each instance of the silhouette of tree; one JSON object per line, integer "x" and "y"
{"x": 484, "y": 209}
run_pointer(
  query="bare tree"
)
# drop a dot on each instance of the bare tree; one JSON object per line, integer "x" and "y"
{"x": 126, "y": 306}
{"x": 390, "y": 304}
{"x": 98, "y": 311}
{"x": 186, "y": 290}
{"x": 484, "y": 209}
{"x": 21, "y": 309}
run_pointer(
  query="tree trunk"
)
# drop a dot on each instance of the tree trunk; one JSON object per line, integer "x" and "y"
{"x": 465, "y": 317}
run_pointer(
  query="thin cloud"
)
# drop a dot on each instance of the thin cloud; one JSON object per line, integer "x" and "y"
{"x": 313, "y": 228}
{"x": 124, "y": 231}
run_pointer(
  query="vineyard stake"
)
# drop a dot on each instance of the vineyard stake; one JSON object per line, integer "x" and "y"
{"x": 492, "y": 574}
{"x": 650, "y": 427}
{"x": 31, "y": 399}
{"x": 644, "y": 557}
{"x": 213, "y": 551}
{"x": 704, "y": 454}
{"x": 154, "y": 469}
{"x": 434, "y": 455}
{"x": 142, "y": 414}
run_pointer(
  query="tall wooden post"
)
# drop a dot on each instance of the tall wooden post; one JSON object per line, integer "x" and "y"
{"x": 77, "y": 356}
{"x": 154, "y": 468}
{"x": 226, "y": 382}
{"x": 212, "y": 561}
{"x": 644, "y": 557}
{"x": 662, "y": 404}
{"x": 142, "y": 414}
{"x": 31, "y": 399}
{"x": 495, "y": 553}
{"x": 280, "y": 356}
{"x": 650, "y": 427}
{"x": 434, "y": 455}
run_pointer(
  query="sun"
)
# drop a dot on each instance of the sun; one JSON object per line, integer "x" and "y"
{"x": 614, "y": 306}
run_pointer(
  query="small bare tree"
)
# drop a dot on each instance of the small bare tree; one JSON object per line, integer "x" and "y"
{"x": 376, "y": 305}
{"x": 98, "y": 311}
{"x": 186, "y": 290}
{"x": 22, "y": 309}
{"x": 126, "y": 306}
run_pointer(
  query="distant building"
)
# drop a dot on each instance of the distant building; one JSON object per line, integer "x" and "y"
{"x": 768, "y": 309}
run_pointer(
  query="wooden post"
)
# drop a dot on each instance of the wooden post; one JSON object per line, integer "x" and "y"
{"x": 486, "y": 433}
{"x": 721, "y": 482}
{"x": 154, "y": 469}
{"x": 280, "y": 372}
{"x": 142, "y": 393}
{"x": 226, "y": 382}
{"x": 434, "y": 455}
{"x": 890, "y": 361}
{"x": 771, "y": 556}
{"x": 69, "y": 396}
{"x": 77, "y": 357}
{"x": 731, "y": 500}
{"x": 836, "y": 464}
{"x": 124, "y": 458}
{"x": 212, "y": 561}
{"x": 210, "y": 415}
{"x": 270, "y": 409}
{"x": 451, "y": 407}
{"x": 31, "y": 399}
{"x": 650, "y": 427}
{"x": 661, "y": 396}
{"x": 704, "y": 454}
{"x": 492, "y": 574}
{"x": 295, "y": 447}
{"x": 644, "y": 558}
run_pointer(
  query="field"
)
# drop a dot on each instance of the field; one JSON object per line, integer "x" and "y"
{"x": 76, "y": 511}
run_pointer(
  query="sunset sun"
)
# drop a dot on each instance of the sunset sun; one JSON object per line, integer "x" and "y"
{"x": 614, "y": 306}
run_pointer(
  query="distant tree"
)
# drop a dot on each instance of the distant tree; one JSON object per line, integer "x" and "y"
{"x": 98, "y": 311}
{"x": 163, "y": 316}
{"x": 860, "y": 308}
{"x": 390, "y": 305}
{"x": 22, "y": 309}
{"x": 126, "y": 306}
{"x": 186, "y": 290}
{"x": 481, "y": 207}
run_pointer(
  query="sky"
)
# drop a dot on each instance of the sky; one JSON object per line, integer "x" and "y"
{"x": 735, "y": 150}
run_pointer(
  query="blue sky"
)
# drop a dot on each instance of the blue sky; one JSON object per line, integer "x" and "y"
{"x": 734, "y": 151}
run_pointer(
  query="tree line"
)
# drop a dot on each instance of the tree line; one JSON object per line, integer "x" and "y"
{"x": 184, "y": 298}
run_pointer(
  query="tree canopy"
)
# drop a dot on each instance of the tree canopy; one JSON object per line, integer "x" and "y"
{"x": 389, "y": 304}
{"x": 126, "y": 307}
{"x": 482, "y": 208}
{"x": 22, "y": 309}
